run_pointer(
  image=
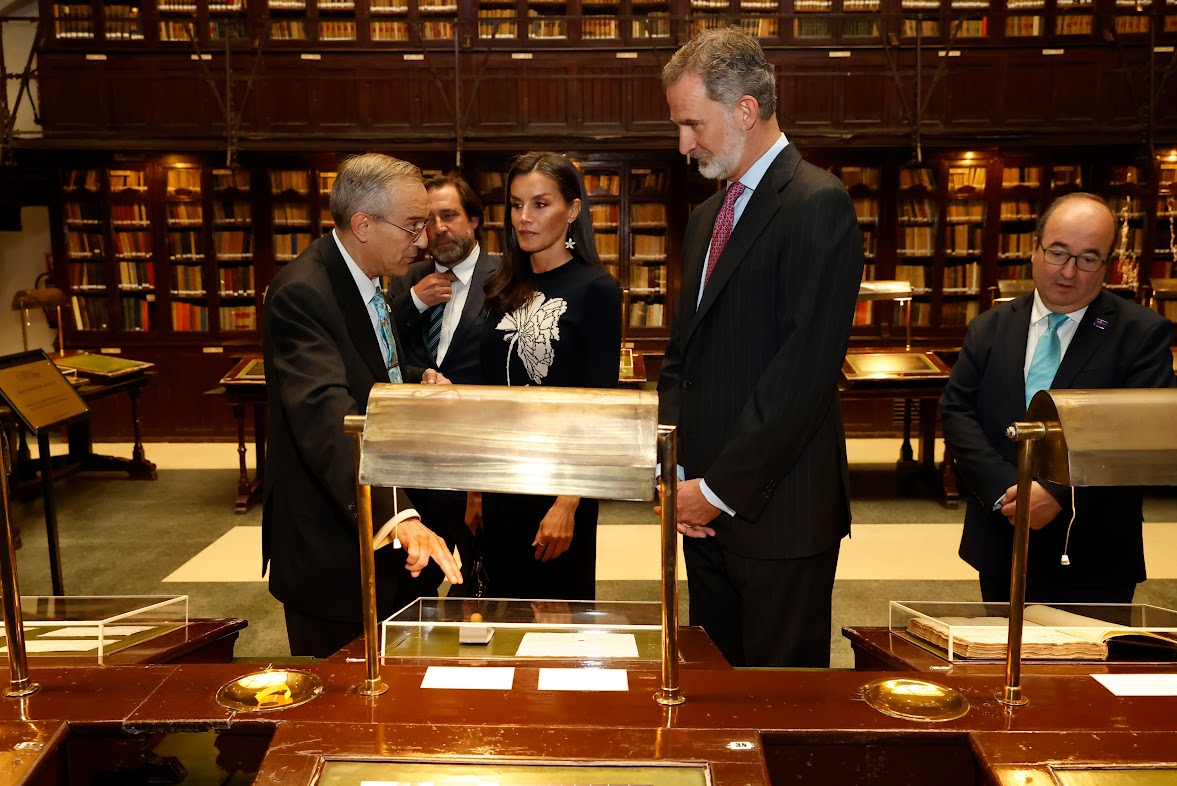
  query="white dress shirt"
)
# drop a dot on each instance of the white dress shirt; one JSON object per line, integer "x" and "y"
{"x": 367, "y": 287}
{"x": 459, "y": 289}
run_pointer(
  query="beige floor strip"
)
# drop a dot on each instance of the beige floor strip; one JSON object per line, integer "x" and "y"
{"x": 879, "y": 552}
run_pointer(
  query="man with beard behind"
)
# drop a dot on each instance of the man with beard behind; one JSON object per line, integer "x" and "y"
{"x": 439, "y": 314}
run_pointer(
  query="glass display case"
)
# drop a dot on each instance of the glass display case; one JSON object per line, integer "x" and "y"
{"x": 92, "y": 627}
{"x": 1060, "y": 631}
{"x": 497, "y": 628}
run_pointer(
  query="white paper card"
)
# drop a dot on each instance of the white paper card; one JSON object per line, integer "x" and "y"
{"x": 584, "y": 679}
{"x": 57, "y": 645}
{"x": 469, "y": 677}
{"x": 110, "y": 632}
{"x": 1139, "y": 684}
{"x": 578, "y": 645}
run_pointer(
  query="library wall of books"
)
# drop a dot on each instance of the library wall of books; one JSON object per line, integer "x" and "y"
{"x": 156, "y": 246}
{"x": 379, "y": 22}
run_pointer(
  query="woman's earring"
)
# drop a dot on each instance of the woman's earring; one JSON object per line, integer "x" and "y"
{"x": 570, "y": 243}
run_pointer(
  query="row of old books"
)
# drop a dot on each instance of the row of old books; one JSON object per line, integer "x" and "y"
{"x": 962, "y": 279}
{"x": 84, "y": 244}
{"x": 90, "y": 313}
{"x": 129, "y": 213}
{"x": 132, "y": 244}
{"x": 189, "y": 317}
{"x": 188, "y": 280}
{"x": 966, "y": 210}
{"x": 238, "y": 317}
{"x": 87, "y": 275}
{"x": 963, "y": 240}
{"x": 136, "y": 276}
{"x": 185, "y": 245}
{"x": 649, "y": 246}
{"x": 648, "y": 278}
{"x": 958, "y": 313}
{"x": 916, "y": 241}
{"x": 648, "y": 214}
{"x": 642, "y": 314}
{"x": 237, "y": 280}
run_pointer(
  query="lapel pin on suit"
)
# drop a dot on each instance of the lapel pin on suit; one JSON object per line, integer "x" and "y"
{"x": 1101, "y": 323}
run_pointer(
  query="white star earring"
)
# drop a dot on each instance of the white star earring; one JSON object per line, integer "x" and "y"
{"x": 570, "y": 243}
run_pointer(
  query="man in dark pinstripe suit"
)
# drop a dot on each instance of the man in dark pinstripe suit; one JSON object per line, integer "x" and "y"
{"x": 771, "y": 267}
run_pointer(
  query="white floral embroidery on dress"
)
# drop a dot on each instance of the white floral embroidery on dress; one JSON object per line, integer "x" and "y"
{"x": 531, "y": 329}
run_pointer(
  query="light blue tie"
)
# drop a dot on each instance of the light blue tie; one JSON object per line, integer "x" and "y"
{"x": 1047, "y": 356}
{"x": 387, "y": 345}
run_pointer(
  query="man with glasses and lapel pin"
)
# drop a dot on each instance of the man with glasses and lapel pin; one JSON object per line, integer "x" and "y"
{"x": 328, "y": 337}
{"x": 1068, "y": 333}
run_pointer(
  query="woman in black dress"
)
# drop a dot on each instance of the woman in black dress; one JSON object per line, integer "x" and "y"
{"x": 554, "y": 319}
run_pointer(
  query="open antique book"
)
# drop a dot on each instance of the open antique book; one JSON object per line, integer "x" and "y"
{"x": 1049, "y": 633}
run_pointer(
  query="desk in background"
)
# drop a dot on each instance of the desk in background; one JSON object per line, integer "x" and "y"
{"x": 81, "y": 456}
{"x": 914, "y": 376}
{"x": 245, "y": 387}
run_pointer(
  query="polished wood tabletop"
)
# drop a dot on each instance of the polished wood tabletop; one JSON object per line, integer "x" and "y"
{"x": 750, "y": 726}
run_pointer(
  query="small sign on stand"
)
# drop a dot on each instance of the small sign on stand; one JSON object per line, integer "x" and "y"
{"x": 43, "y": 399}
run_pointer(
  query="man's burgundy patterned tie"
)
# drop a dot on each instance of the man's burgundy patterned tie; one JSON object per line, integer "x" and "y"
{"x": 723, "y": 226}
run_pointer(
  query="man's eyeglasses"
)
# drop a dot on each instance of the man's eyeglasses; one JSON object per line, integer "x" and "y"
{"x": 413, "y": 233}
{"x": 1059, "y": 257}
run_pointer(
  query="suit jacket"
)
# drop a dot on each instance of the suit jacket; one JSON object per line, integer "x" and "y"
{"x": 751, "y": 375}
{"x": 986, "y": 392}
{"x": 461, "y": 363}
{"x": 321, "y": 358}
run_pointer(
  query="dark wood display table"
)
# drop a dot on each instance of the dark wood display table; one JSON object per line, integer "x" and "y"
{"x": 881, "y": 649}
{"x": 200, "y": 641}
{"x": 750, "y": 727}
{"x": 81, "y": 456}
{"x": 924, "y": 393}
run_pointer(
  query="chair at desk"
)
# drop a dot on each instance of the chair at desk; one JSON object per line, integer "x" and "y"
{"x": 1009, "y": 289}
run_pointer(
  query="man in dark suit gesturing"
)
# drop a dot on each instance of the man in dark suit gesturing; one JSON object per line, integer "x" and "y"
{"x": 328, "y": 338}
{"x": 771, "y": 268}
{"x": 1068, "y": 333}
{"x": 438, "y": 308}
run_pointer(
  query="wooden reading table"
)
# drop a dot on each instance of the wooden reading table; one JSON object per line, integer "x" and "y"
{"x": 917, "y": 375}
{"x": 81, "y": 456}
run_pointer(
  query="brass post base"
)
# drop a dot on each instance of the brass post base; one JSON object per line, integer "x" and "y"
{"x": 1012, "y": 697}
{"x": 15, "y": 691}
{"x": 669, "y": 698}
{"x": 371, "y": 687}
{"x": 912, "y": 699}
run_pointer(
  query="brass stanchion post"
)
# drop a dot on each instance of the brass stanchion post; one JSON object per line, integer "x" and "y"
{"x": 372, "y": 685}
{"x": 1025, "y": 434}
{"x": 670, "y": 693}
{"x": 20, "y": 684}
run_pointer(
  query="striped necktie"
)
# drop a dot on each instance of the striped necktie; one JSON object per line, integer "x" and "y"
{"x": 433, "y": 318}
{"x": 387, "y": 344}
{"x": 1047, "y": 356}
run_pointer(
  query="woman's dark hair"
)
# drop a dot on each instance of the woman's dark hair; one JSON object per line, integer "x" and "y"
{"x": 513, "y": 283}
